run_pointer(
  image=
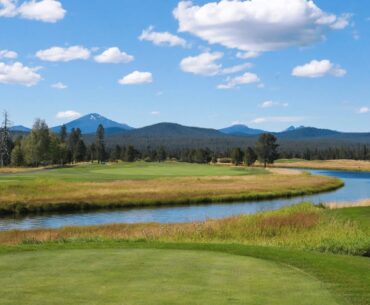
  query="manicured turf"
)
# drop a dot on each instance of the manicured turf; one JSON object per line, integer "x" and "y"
{"x": 134, "y": 171}
{"x": 150, "y": 276}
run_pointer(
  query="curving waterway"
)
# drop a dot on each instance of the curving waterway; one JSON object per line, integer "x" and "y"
{"x": 357, "y": 187}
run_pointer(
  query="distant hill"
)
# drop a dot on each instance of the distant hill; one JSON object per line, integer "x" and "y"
{"x": 90, "y": 122}
{"x": 291, "y": 128}
{"x": 19, "y": 128}
{"x": 175, "y": 136}
{"x": 306, "y": 132}
{"x": 240, "y": 130}
{"x": 174, "y": 130}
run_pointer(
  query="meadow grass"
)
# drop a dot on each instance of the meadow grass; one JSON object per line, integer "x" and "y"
{"x": 141, "y": 184}
{"x": 359, "y": 214}
{"x": 348, "y": 165}
{"x": 303, "y": 226}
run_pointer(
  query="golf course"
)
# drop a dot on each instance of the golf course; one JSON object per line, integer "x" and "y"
{"x": 97, "y": 265}
{"x": 300, "y": 254}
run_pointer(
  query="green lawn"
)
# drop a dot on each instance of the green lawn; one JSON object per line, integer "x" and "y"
{"x": 152, "y": 276}
{"x": 133, "y": 171}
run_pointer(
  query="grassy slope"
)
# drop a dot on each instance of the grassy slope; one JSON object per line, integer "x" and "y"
{"x": 150, "y": 276}
{"x": 133, "y": 171}
{"x": 360, "y": 215}
{"x": 144, "y": 184}
{"x": 346, "y": 277}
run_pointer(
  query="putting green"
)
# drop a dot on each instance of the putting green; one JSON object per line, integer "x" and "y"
{"x": 146, "y": 276}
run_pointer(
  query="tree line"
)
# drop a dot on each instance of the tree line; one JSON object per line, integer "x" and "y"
{"x": 44, "y": 147}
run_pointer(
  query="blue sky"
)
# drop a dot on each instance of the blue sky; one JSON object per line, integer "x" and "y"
{"x": 308, "y": 65}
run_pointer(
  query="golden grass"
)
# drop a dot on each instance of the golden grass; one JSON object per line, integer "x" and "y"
{"x": 352, "y": 165}
{"x": 342, "y": 205}
{"x": 49, "y": 195}
{"x": 303, "y": 226}
{"x": 15, "y": 170}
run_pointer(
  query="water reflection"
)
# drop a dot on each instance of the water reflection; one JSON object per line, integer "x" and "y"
{"x": 357, "y": 186}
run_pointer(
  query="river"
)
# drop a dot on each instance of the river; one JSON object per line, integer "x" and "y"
{"x": 357, "y": 187}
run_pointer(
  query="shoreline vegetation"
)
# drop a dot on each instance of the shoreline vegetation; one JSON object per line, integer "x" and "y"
{"x": 301, "y": 227}
{"x": 294, "y": 237}
{"x": 344, "y": 165}
{"x": 141, "y": 184}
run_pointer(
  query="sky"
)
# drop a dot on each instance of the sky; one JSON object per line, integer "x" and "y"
{"x": 266, "y": 64}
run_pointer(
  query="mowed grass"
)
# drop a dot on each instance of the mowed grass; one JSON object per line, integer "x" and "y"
{"x": 132, "y": 171}
{"x": 152, "y": 276}
{"x": 349, "y": 165}
{"x": 148, "y": 184}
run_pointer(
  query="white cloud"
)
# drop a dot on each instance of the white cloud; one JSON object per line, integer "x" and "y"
{"x": 59, "y": 85}
{"x": 277, "y": 119}
{"x": 203, "y": 64}
{"x": 270, "y": 104}
{"x": 206, "y": 64}
{"x": 318, "y": 68}
{"x": 245, "y": 79}
{"x": 341, "y": 22}
{"x": 55, "y": 54}
{"x": 364, "y": 109}
{"x": 8, "y": 8}
{"x": 19, "y": 74}
{"x": 8, "y": 54}
{"x": 69, "y": 114}
{"x": 113, "y": 56}
{"x": 136, "y": 78}
{"x": 236, "y": 69}
{"x": 248, "y": 55}
{"x": 258, "y": 25}
{"x": 162, "y": 38}
{"x": 155, "y": 113}
{"x": 43, "y": 10}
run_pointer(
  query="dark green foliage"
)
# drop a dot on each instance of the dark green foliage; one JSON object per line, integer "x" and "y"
{"x": 63, "y": 134}
{"x": 6, "y": 144}
{"x": 266, "y": 148}
{"x": 17, "y": 156}
{"x": 100, "y": 144}
{"x": 250, "y": 156}
{"x": 237, "y": 156}
{"x": 80, "y": 152}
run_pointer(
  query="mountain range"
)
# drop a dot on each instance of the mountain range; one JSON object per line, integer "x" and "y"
{"x": 179, "y": 136}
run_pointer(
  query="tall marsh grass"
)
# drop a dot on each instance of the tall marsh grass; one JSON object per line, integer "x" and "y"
{"x": 303, "y": 226}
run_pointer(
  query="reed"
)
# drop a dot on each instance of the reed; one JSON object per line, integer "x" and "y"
{"x": 303, "y": 226}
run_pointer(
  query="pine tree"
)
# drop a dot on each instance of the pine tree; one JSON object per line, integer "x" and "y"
{"x": 266, "y": 148}
{"x": 100, "y": 145}
{"x": 250, "y": 156}
{"x": 5, "y": 141}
